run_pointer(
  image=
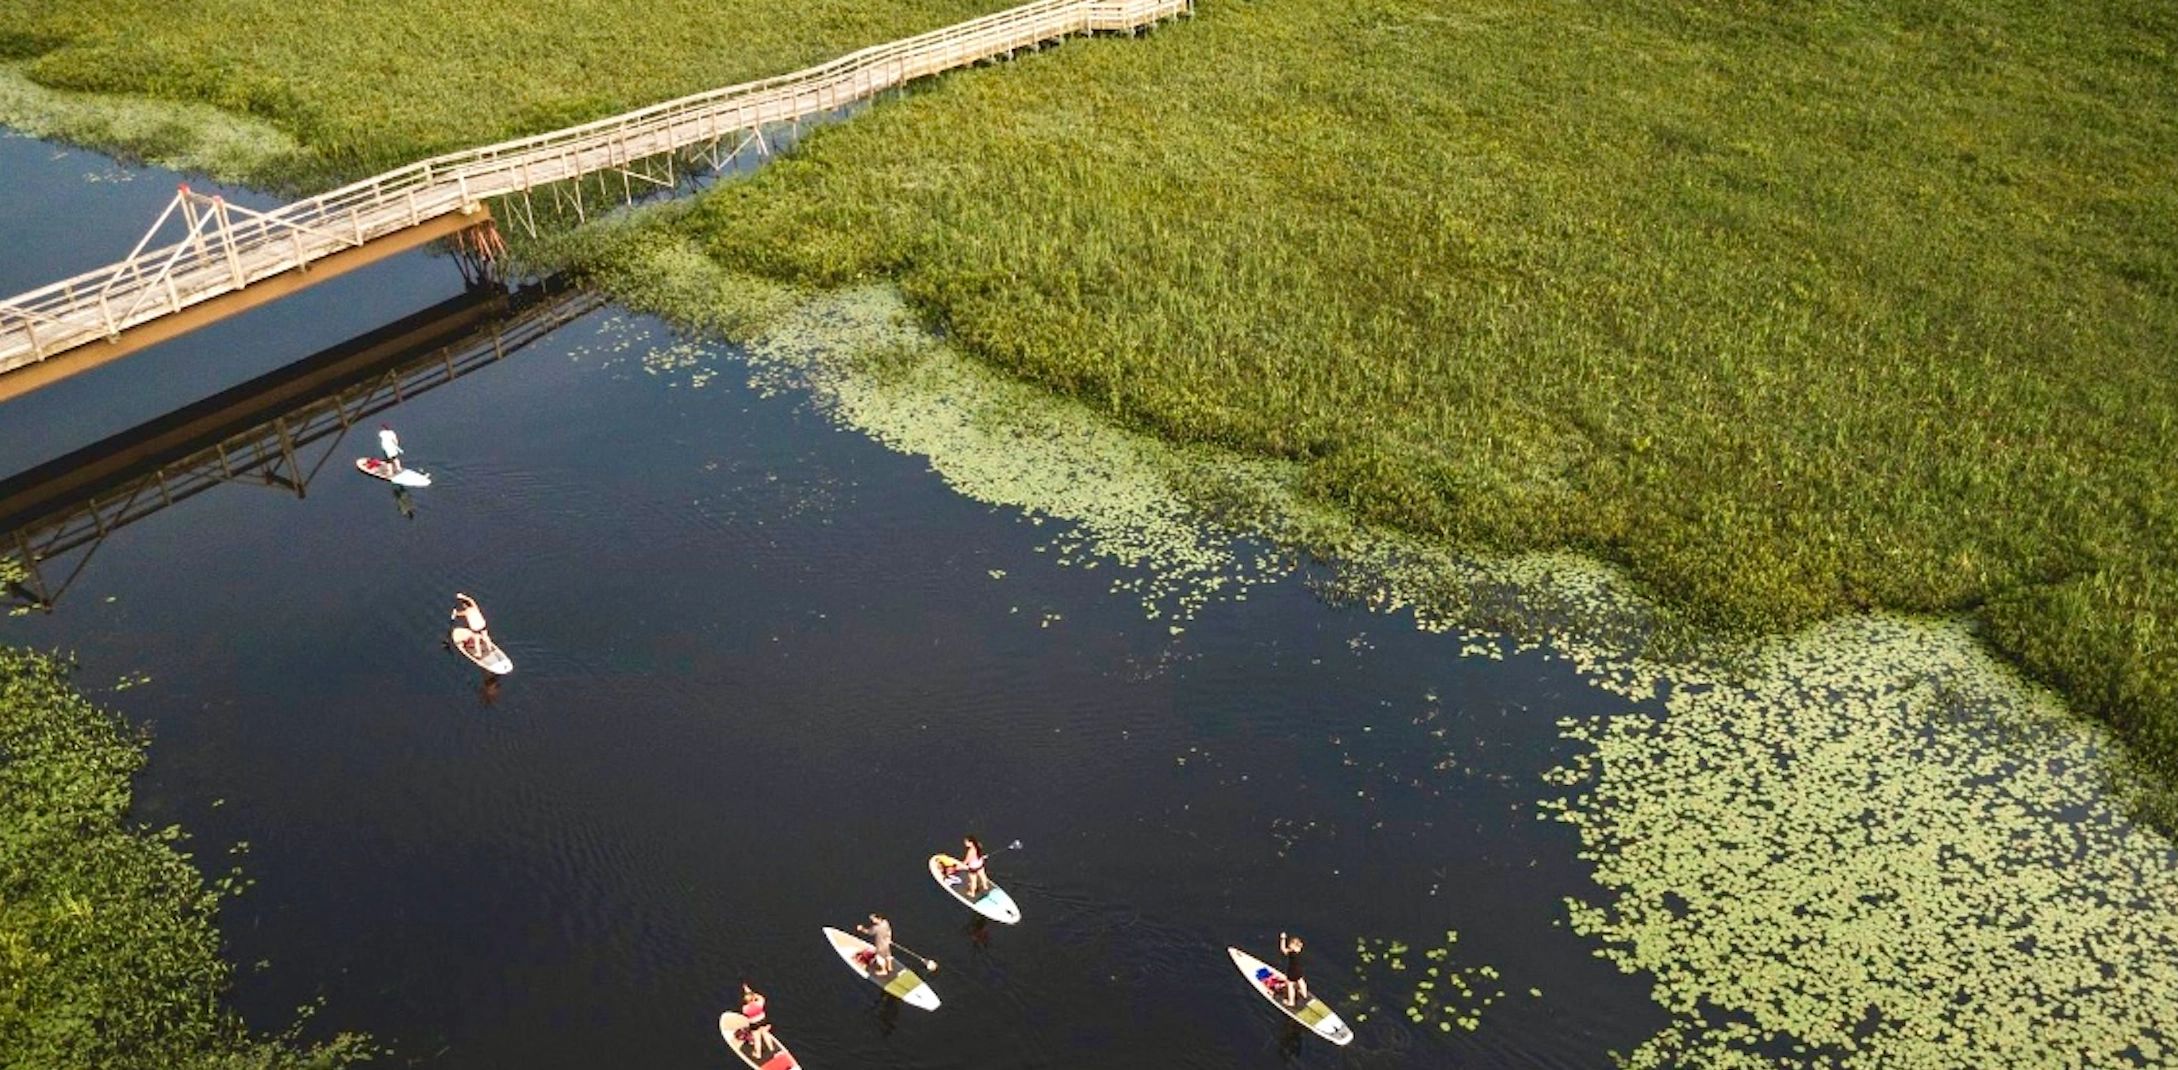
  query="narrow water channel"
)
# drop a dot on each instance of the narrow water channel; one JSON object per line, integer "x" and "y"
{"x": 765, "y": 668}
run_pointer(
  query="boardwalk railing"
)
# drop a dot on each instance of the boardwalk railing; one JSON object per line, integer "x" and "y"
{"x": 224, "y": 247}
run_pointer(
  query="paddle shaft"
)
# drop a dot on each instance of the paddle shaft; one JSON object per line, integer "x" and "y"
{"x": 929, "y": 963}
{"x": 1014, "y": 846}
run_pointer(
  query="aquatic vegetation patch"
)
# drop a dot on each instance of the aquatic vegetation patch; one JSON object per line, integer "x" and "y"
{"x": 1867, "y": 844}
{"x": 1005, "y": 443}
{"x": 1190, "y": 525}
{"x": 109, "y": 955}
{"x": 868, "y": 363}
{"x": 1497, "y": 602}
{"x": 1430, "y": 988}
{"x": 636, "y": 259}
{"x": 657, "y": 351}
{"x": 1871, "y": 846}
{"x": 181, "y": 136}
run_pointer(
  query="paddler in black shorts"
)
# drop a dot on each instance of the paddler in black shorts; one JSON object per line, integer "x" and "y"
{"x": 1296, "y": 981}
{"x": 758, "y": 1032}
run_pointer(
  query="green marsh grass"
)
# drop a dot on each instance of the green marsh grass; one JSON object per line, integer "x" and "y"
{"x": 1793, "y": 310}
{"x": 1866, "y": 844}
{"x": 181, "y": 136}
{"x": 109, "y": 956}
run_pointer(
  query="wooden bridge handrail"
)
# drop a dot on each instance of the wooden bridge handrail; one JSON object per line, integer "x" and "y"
{"x": 851, "y": 62}
{"x": 104, "y": 301}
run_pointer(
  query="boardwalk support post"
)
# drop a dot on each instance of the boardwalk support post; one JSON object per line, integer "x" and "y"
{"x": 226, "y": 238}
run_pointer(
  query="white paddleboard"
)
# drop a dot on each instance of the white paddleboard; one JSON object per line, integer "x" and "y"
{"x": 1316, "y": 1015}
{"x": 731, "y": 1026}
{"x": 901, "y": 982}
{"x": 406, "y": 477}
{"x": 994, "y": 904}
{"x": 494, "y": 660}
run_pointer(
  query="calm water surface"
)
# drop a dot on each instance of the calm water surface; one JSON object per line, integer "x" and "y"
{"x": 765, "y": 669}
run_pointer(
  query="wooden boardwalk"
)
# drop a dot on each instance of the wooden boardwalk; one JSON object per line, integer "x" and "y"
{"x": 228, "y": 258}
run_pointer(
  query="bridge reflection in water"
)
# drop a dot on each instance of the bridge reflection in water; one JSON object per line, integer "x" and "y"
{"x": 54, "y": 518}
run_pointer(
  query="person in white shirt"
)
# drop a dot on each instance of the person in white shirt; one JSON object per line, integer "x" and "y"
{"x": 390, "y": 445}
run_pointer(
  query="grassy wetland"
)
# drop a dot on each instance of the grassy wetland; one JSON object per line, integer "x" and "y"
{"x": 1867, "y": 844}
{"x": 1792, "y": 314}
{"x": 108, "y": 952}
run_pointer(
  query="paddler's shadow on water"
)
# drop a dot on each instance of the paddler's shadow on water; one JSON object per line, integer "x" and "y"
{"x": 1289, "y": 1044}
{"x": 888, "y": 1015}
{"x": 487, "y": 689}
{"x": 979, "y": 933}
{"x": 404, "y": 503}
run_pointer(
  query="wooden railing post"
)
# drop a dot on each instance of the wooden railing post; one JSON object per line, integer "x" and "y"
{"x": 226, "y": 237}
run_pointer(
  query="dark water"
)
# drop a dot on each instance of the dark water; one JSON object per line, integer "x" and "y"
{"x": 763, "y": 672}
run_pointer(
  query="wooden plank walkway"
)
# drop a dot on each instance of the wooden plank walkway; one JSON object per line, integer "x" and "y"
{"x": 225, "y": 249}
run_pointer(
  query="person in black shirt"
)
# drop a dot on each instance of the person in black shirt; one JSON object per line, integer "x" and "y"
{"x": 1296, "y": 981}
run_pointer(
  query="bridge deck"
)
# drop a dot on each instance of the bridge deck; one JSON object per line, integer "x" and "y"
{"x": 225, "y": 250}
{"x": 57, "y": 366}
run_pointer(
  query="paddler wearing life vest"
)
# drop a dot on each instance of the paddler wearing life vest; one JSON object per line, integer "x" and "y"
{"x": 1296, "y": 982}
{"x": 758, "y": 1034}
{"x": 972, "y": 862}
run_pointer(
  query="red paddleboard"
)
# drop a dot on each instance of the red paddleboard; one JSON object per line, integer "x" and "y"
{"x": 405, "y": 477}
{"x": 735, "y": 1029}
